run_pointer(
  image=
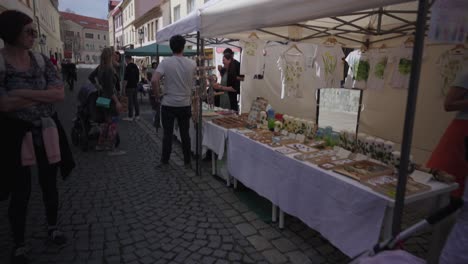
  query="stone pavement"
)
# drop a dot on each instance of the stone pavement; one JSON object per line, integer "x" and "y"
{"x": 122, "y": 209}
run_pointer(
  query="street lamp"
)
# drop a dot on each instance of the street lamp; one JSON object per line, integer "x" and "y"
{"x": 42, "y": 42}
{"x": 141, "y": 34}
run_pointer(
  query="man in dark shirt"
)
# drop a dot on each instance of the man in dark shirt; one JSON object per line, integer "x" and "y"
{"x": 234, "y": 101}
{"x": 131, "y": 78}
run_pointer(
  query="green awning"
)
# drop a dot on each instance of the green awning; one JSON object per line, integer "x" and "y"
{"x": 150, "y": 50}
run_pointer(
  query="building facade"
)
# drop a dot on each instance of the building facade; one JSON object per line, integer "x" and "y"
{"x": 135, "y": 22}
{"x": 149, "y": 19}
{"x": 181, "y": 8}
{"x": 84, "y": 37}
{"x": 128, "y": 29}
{"x": 46, "y": 16}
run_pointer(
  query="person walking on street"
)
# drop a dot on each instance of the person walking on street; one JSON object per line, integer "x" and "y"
{"x": 130, "y": 83}
{"x": 70, "y": 74}
{"x": 31, "y": 133}
{"x": 179, "y": 73}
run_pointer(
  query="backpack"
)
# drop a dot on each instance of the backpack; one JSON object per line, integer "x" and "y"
{"x": 37, "y": 56}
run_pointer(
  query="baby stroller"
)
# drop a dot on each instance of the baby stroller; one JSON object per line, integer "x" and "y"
{"x": 85, "y": 131}
{"x": 385, "y": 252}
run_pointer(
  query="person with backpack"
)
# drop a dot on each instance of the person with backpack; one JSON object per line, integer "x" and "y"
{"x": 31, "y": 133}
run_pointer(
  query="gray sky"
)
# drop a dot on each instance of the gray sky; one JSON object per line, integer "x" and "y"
{"x": 91, "y": 8}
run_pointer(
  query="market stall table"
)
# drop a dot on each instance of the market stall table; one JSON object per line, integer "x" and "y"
{"x": 347, "y": 213}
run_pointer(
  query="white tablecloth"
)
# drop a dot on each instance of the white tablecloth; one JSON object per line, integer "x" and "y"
{"x": 214, "y": 138}
{"x": 347, "y": 215}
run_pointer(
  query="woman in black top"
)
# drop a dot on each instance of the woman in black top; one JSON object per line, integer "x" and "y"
{"x": 233, "y": 82}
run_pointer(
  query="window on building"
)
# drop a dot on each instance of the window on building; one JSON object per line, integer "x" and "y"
{"x": 190, "y": 6}
{"x": 89, "y": 35}
{"x": 69, "y": 33}
{"x": 104, "y": 37}
{"x": 176, "y": 13}
{"x": 98, "y": 36}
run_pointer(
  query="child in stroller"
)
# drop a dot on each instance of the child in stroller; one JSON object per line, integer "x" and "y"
{"x": 85, "y": 131}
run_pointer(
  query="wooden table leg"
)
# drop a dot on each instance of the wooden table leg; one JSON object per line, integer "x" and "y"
{"x": 274, "y": 213}
{"x": 281, "y": 219}
{"x": 387, "y": 224}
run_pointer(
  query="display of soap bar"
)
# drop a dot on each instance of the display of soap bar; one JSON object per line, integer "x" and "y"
{"x": 364, "y": 169}
{"x": 285, "y": 150}
{"x": 229, "y": 122}
{"x": 312, "y": 155}
{"x": 301, "y": 148}
{"x": 321, "y": 159}
{"x": 387, "y": 185}
{"x": 335, "y": 163}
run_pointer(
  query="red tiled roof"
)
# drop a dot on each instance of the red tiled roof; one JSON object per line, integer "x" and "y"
{"x": 86, "y": 22}
{"x": 113, "y": 4}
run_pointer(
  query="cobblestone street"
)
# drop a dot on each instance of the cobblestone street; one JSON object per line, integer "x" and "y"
{"x": 122, "y": 209}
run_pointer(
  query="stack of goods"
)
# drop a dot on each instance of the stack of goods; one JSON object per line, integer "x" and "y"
{"x": 298, "y": 126}
{"x": 230, "y": 122}
{"x": 387, "y": 185}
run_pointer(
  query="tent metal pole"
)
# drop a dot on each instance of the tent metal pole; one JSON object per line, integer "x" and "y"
{"x": 198, "y": 165}
{"x": 200, "y": 108}
{"x": 361, "y": 96}
{"x": 410, "y": 115}
{"x": 157, "y": 53}
{"x": 317, "y": 111}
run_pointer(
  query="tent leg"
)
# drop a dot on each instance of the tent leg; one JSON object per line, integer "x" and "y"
{"x": 317, "y": 111}
{"x": 410, "y": 114}
{"x": 361, "y": 95}
{"x": 198, "y": 152}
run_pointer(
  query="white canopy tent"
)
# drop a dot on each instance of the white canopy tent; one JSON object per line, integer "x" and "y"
{"x": 352, "y": 22}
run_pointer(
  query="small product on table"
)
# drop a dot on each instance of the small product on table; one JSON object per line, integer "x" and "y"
{"x": 365, "y": 169}
{"x": 230, "y": 122}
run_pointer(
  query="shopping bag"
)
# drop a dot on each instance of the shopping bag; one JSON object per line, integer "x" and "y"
{"x": 103, "y": 102}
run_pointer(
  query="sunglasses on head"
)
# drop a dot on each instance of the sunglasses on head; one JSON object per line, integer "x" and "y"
{"x": 32, "y": 32}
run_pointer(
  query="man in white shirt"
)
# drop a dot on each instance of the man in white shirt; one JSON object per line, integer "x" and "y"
{"x": 179, "y": 73}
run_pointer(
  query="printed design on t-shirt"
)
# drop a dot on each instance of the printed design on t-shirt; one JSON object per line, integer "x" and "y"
{"x": 379, "y": 68}
{"x": 292, "y": 73}
{"x": 250, "y": 48}
{"x": 404, "y": 66}
{"x": 450, "y": 66}
{"x": 329, "y": 62}
{"x": 361, "y": 70}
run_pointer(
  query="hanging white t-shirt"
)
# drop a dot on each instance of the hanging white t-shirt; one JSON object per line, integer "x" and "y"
{"x": 451, "y": 64}
{"x": 329, "y": 66}
{"x": 401, "y": 68}
{"x": 292, "y": 68}
{"x": 252, "y": 57}
{"x": 359, "y": 68}
{"x": 379, "y": 70}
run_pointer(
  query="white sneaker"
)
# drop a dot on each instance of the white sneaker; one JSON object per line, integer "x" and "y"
{"x": 127, "y": 119}
{"x": 137, "y": 118}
